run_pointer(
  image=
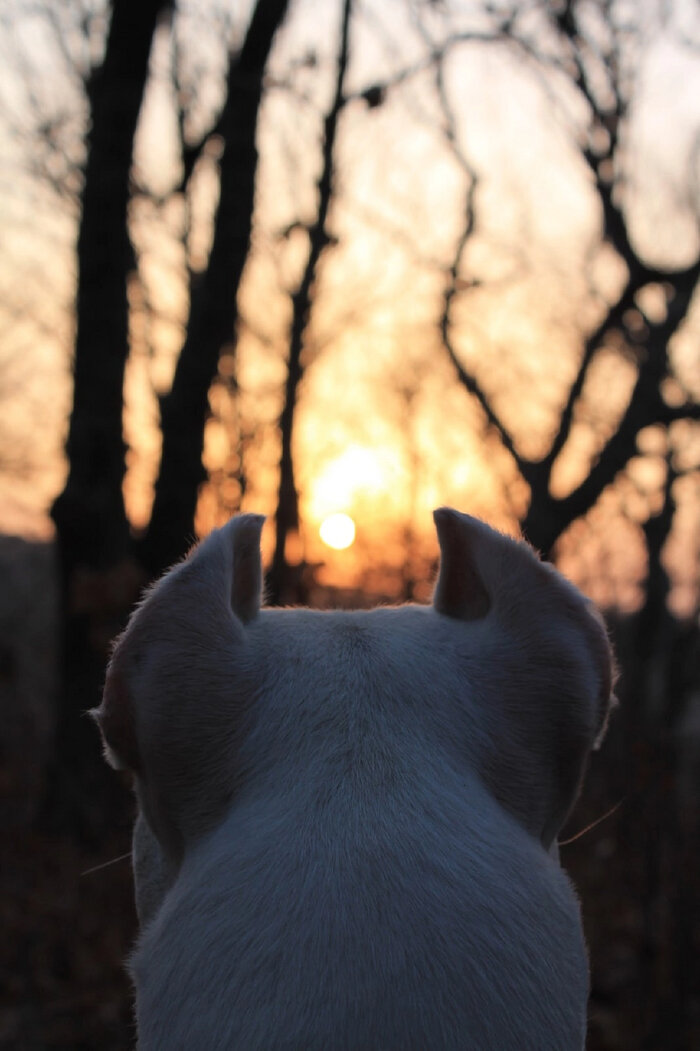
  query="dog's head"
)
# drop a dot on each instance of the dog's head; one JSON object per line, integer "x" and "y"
{"x": 508, "y": 672}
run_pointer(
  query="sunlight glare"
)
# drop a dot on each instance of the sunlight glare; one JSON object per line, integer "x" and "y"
{"x": 357, "y": 471}
{"x": 338, "y": 531}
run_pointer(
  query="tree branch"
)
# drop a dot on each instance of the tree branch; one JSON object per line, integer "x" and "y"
{"x": 213, "y": 308}
{"x": 287, "y": 513}
{"x": 646, "y": 406}
{"x": 466, "y": 378}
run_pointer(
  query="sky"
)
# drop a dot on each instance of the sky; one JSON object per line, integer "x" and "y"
{"x": 383, "y": 432}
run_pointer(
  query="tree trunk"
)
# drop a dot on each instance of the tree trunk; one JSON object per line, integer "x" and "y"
{"x": 91, "y": 523}
{"x": 280, "y": 580}
{"x": 89, "y": 513}
{"x": 213, "y": 308}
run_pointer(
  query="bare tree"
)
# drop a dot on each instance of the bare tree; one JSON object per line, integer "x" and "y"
{"x": 102, "y": 565}
{"x": 594, "y": 64}
{"x": 89, "y": 513}
{"x": 213, "y": 310}
{"x": 287, "y": 513}
{"x": 91, "y": 522}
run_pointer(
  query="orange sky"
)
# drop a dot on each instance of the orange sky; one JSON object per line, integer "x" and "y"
{"x": 383, "y": 433}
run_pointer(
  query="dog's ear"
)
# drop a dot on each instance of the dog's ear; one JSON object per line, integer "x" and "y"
{"x": 536, "y": 656}
{"x": 460, "y": 591}
{"x": 179, "y": 680}
{"x": 241, "y": 539}
{"x": 226, "y": 567}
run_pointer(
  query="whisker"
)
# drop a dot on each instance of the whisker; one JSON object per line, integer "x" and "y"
{"x": 598, "y": 820}
{"x": 106, "y": 864}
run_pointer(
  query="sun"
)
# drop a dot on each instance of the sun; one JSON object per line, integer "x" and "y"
{"x": 337, "y": 531}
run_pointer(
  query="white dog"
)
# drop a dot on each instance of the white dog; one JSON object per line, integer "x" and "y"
{"x": 348, "y": 820}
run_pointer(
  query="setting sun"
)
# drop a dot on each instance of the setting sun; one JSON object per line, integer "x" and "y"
{"x": 338, "y": 531}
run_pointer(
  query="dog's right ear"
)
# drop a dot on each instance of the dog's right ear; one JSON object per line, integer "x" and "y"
{"x": 178, "y": 683}
{"x": 241, "y": 540}
{"x": 460, "y": 591}
{"x": 225, "y": 567}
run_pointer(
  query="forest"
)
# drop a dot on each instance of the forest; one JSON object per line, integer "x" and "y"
{"x": 358, "y": 257}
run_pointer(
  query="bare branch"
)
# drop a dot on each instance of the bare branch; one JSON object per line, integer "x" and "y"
{"x": 212, "y": 318}
{"x": 646, "y": 406}
{"x": 287, "y": 515}
{"x": 455, "y": 281}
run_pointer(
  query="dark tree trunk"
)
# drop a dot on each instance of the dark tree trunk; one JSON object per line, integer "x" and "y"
{"x": 89, "y": 513}
{"x": 213, "y": 309}
{"x": 280, "y": 580}
{"x": 91, "y": 524}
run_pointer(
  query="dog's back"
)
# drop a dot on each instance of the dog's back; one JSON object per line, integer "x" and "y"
{"x": 437, "y": 925}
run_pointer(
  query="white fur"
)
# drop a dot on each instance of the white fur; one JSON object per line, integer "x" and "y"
{"x": 348, "y": 823}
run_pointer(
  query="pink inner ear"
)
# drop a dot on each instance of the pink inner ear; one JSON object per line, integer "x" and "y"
{"x": 115, "y": 717}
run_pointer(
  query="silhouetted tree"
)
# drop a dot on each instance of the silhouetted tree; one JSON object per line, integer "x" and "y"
{"x": 213, "y": 310}
{"x": 103, "y": 565}
{"x": 593, "y": 63}
{"x": 287, "y": 513}
{"x": 91, "y": 523}
{"x": 89, "y": 513}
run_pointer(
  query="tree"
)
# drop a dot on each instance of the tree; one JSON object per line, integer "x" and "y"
{"x": 589, "y": 50}
{"x": 91, "y": 522}
{"x": 212, "y": 319}
{"x": 287, "y": 513}
{"x": 102, "y": 564}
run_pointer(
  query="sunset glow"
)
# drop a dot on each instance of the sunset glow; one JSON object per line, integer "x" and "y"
{"x": 338, "y": 531}
{"x": 383, "y": 430}
{"x": 350, "y": 479}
